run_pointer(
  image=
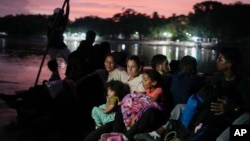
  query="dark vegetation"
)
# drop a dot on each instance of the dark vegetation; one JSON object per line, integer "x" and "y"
{"x": 210, "y": 19}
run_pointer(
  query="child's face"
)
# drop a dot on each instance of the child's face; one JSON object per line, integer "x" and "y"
{"x": 147, "y": 81}
{"x": 110, "y": 92}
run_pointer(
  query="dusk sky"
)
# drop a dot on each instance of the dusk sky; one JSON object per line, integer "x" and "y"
{"x": 102, "y": 8}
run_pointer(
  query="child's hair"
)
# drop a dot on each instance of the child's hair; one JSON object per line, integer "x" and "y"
{"x": 52, "y": 65}
{"x": 118, "y": 87}
{"x": 154, "y": 76}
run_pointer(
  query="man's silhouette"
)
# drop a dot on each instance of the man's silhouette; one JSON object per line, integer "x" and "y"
{"x": 56, "y": 27}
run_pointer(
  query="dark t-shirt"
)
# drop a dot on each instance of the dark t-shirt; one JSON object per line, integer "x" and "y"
{"x": 184, "y": 85}
{"x": 236, "y": 91}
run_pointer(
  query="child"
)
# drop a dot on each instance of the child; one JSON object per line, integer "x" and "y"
{"x": 53, "y": 67}
{"x": 105, "y": 113}
{"x": 160, "y": 63}
{"x": 154, "y": 98}
{"x": 152, "y": 82}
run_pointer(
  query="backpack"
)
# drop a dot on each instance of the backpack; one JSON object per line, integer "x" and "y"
{"x": 198, "y": 102}
{"x": 197, "y": 110}
{"x": 134, "y": 105}
{"x": 192, "y": 107}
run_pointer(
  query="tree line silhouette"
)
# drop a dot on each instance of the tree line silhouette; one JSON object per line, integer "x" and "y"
{"x": 210, "y": 19}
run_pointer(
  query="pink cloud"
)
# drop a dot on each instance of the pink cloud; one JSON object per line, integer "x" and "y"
{"x": 101, "y": 8}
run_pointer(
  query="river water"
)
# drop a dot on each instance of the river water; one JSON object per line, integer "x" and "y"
{"x": 205, "y": 56}
{"x": 20, "y": 59}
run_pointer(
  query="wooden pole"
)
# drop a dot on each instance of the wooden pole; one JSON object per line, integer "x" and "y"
{"x": 47, "y": 48}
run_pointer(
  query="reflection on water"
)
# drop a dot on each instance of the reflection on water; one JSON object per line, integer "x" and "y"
{"x": 20, "y": 61}
{"x": 3, "y": 44}
{"x": 205, "y": 56}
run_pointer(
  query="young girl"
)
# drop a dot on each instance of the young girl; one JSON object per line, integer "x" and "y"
{"x": 135, "y": 104}
{"x": 152, "y": 82}
{"x": 105, "y": 113}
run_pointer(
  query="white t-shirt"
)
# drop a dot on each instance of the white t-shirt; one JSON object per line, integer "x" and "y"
{"x": 118, "y": 74}
{"x": 136, "y": 84}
